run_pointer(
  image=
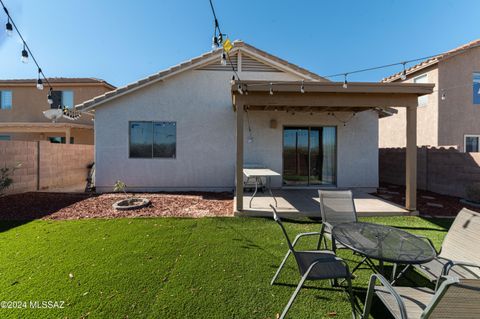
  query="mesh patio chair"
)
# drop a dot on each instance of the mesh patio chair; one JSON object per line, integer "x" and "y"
{"x": 454, "y": 298}
{"x": 460, "y": 251}
{"x": 336, "y": 207}
{"x": 313, "y": 265}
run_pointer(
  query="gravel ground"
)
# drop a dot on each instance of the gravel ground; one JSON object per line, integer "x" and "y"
{"x": 38, "y": 205}
{"x": 428, "y": 203}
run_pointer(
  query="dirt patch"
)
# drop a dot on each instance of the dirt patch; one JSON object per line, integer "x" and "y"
{"x": 28, "y": 206}
{"x": 428, "y": 203}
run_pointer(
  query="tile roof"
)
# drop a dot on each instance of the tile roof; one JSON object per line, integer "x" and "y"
{"x": 434, "y": 60}
{"x": 192, "y": 63}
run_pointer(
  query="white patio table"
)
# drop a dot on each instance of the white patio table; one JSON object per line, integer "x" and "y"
{"x": 258, "y": 174}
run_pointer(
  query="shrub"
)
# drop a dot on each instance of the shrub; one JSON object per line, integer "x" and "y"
{"x": 473, "y": 192}
{"x": 5, "y": 177}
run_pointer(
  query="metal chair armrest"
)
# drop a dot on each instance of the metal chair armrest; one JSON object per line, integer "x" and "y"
{"x": 385, "y": 283}
{"x": 304, "y": 235}
{"x": 453, "y": 263}
{"x": 430, "y": 242}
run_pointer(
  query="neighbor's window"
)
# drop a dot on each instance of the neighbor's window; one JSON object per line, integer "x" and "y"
{"x": 4, "y": 137}
{"x": 60, "y": 139}
{"x": 476, "y": 87}
{"x": 422, "y": 100}
{"x": 62, "y": 99}
{"x": 153, "y": 139}
{"x": 5, "y": 100}
{"x": 471, "y": 143}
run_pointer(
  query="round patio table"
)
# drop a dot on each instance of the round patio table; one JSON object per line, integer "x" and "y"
{"x": 385, "y": 244}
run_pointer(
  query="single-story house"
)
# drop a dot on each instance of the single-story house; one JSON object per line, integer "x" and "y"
{"x": 193, "y": 127}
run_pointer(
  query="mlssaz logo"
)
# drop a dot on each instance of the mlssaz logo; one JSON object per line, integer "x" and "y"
{"x": 47, "y": 304}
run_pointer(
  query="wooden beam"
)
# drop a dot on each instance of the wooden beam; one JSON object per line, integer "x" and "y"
{"x": 354, "y": 100}
{"x": 67, "y": 135}
{"x": 411, "y": 160}
{"x": 239, "y": 158}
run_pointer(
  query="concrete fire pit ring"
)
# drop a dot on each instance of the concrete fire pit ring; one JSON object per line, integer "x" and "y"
{"x": 131, "y": 204}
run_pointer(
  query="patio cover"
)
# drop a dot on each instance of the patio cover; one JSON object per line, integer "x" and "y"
{"x": 331, "y": 97}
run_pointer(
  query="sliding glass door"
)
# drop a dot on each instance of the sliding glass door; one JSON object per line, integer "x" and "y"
{"x": 309, "y": 155}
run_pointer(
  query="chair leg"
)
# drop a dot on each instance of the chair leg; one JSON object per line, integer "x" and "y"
{"x": 280, "y": 268}
{"x": 321, "y": 237}
{"x": 350, "y": 296}
{"x": 294, "y": 295}
{"x": 368, "y": 298}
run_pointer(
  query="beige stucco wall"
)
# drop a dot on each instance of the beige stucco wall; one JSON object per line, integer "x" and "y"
{"x": 28, "y": 103}
{"x": 201, "y": 105}
{"x": 392, "y": 129}
{"x": 458, "y": 115}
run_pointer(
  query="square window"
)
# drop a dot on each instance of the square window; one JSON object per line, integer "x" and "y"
{"x": 476, "y": 88}
{"x": 152, "y": 139}
{"x": 471, "y": 143}
{"x": 6, "y": 100}
{"x": 62, "y": 99}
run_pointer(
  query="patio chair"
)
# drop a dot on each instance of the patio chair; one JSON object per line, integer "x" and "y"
{"x": 455, "y": 298}
{"x": 336, "y": 207}
{"x": 460, "y": 251}
{"x": 313, "y": 265}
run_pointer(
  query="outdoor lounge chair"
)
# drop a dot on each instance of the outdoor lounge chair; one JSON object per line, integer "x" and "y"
{"x": 313, "y": 265}
{"x": 336, "y": 207}
{"x": 454, "y": 298}
{"x": 460, "y": 252}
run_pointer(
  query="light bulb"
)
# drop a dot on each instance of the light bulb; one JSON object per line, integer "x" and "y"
{"x": 232, "y": 81}
{"x": 40, "y": 84}
{"x": 345, "y": 83}
{"x": 444, "y": 96}
{"x": 223, "y": 59}
{"x": 214, "y": 43}
{"x": 49, "y": 97}
{"x": 250, "y": 140}
{"x": 9, "y": 28}
{"x": 302, "y": 88}
{"x": 24, "y": 55}
{"x": 239, "y": 89}
{"x": 403, "y": 76}
{"x": 271, "y": 89}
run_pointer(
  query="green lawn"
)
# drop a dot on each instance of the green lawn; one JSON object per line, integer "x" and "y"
{"x": 168, "y": 268}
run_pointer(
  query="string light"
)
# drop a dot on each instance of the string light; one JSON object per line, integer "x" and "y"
{"x": 302, "y": 88}
{"x": 271, "y": 89}
{"x": 9, "y": 28}
{"x": 345, "y": 82}
{"x": 403, "y": 76}
{"x": 444, "y": 95}
{"x": 39, "y": 80}
{"x": 239, "y": 89}
{"x": 223, "y": 58}
{"x": 49, "y": 97}
{"x": 24, "y": 54}
{"x": 27, "y": 53}
{"x": 232, "y": 81}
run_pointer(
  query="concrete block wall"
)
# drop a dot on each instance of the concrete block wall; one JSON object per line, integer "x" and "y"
{"x": 45, "y": 165}
{"x": 443, "y": 170}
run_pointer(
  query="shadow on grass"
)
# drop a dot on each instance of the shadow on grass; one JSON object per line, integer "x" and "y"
{"x": 19, "y": 209}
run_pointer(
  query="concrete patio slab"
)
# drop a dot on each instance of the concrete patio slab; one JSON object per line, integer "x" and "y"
{"x": 294, "y": 203}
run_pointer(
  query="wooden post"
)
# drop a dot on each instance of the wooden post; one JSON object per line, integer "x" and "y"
{"x": 239, "y": 161}
{"x": 67, "y": 135}
{"x": 411, "y": 160}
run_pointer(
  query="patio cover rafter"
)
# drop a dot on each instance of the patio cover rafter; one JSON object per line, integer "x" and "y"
{"x": 331, "y": 97}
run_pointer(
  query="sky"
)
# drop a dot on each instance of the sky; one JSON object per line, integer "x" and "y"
{"x": 123, "y": 41}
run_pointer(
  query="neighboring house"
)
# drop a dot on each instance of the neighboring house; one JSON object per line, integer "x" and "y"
{"x": 176, "y": 130}
{"x": 22, "y": 106}
{"x": 450, "y": 116}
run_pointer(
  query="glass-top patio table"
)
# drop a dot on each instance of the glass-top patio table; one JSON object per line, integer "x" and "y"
{"x": 385, "y": 244}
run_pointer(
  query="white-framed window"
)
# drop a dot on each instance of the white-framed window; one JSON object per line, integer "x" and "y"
{"x": 471, "y": 143}
{"x": 5, "y": 100}
{"x": 422, "y": 100}
{"x": 62, "y": 99}
{"x": 149, "y": 139}
{"x": 476, "y": 87}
